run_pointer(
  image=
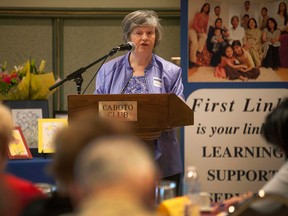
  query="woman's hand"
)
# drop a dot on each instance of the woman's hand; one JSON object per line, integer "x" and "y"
{"x": 223, "y": 206}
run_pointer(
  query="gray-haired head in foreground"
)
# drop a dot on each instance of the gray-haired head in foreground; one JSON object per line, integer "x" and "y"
{"x": 141, "y": 18}
{"x": 6, "y": 126}
{"x": 113, "y": 160}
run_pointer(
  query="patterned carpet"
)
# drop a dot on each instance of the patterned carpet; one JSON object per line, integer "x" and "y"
{"x": 206, "y": 74}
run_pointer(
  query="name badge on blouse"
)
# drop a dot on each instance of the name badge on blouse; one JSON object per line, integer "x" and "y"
{"x": 157, "y": 82}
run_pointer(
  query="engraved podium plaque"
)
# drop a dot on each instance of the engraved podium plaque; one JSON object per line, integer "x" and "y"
{"x": 118, "y": 110}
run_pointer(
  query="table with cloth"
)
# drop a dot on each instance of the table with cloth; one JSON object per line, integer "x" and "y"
{"x": 34, "y": 170}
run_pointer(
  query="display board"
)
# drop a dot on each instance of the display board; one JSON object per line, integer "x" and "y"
{"x": 225, "y": 142}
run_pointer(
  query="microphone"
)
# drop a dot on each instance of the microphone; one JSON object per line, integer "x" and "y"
{"x": 129, "y": 46}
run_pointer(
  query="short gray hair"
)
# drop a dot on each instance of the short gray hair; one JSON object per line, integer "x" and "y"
{"x": 141, "y": 18}
{"x": 114, "y": 160}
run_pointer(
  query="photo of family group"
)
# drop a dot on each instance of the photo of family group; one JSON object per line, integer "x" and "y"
{"x": 237, "y": 41}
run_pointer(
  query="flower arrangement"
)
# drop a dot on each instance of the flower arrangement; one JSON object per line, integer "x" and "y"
{"x": 26, "y": 82}
{"x": 9, "y": 80}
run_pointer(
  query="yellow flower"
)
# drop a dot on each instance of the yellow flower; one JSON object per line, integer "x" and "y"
{"x": 32, "y": 84}
{"x": 42, "y": 66}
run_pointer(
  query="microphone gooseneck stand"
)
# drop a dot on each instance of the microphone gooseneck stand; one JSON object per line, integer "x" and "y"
{"x": 77, "y": 75}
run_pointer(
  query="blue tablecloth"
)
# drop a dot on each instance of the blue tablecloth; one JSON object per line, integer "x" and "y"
{"x": 34, "y": 170}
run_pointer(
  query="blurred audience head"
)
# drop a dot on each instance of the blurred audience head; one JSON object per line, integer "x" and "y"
{"x": 69, "y": 141}
{"x": 275, "y": 127}
{"x": 6, "y": 126}
{"x": 117, "y": 164}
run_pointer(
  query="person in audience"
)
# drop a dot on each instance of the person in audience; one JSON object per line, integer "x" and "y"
{"x": 245, "y": 20}
{"x": 228, "y": 68}
{"x": 68, "y": 142}
{"x": 236, "y": 32}
{"x": 275, "y": 130}
{"x": 7, "y": 200}
{"x": 282, "y": 18}
{"x": 253, "y": 41}
{"x": 263, "y": 21}
{"x": 143, "y": 72}
{"x": 116, "y": 175}
{"x": 17, "y": 192}
{"x": 198, "y": 33}
{"x": 244, "y": 58}
{"x": 271, "y": 44}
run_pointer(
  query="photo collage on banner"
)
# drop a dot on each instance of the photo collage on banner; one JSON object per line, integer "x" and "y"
{"x": 235, "y": 72}
{"x": 209, "y": 42}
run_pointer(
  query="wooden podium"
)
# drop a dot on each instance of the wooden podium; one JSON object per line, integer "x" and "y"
{"x": 150, "y": 114}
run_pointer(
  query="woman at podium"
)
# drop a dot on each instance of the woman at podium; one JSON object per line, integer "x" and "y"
{"x": 140, "y": 71}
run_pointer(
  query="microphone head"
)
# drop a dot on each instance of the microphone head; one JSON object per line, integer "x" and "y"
{"x": 131, "y": 46}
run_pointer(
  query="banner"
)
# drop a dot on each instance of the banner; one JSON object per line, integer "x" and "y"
{"x": 225, "y": 142}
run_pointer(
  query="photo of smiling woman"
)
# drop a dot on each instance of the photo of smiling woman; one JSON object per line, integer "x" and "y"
{"x": 140, "y": 71}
